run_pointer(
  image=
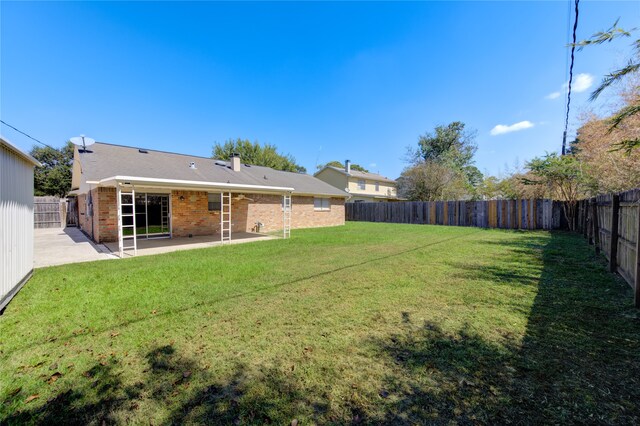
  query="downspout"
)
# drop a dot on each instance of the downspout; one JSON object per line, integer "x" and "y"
{"x": 90, "y": 204}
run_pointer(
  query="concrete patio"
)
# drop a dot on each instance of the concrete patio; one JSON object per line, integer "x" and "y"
{"x": 165, "y": 245}
{"x": 57, "y": 246}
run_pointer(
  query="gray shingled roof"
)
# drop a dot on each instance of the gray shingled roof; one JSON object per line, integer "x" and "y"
{"x": 359, "y": 174}
{"x": 102, "y": 160}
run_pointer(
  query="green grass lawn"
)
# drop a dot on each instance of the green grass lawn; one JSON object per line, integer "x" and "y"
{"x": 369, "y": 323}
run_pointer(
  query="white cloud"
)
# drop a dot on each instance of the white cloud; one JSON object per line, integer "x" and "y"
{"x": 373, "y": 165}
{"x": 501, "y": 129}
{"x": 581, "y": 83}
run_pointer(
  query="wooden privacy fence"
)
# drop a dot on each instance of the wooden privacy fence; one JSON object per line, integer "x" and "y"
{"x": 611, "y": 222}
{"x": 49, "y": 212}
{"x": 505, "y": 214}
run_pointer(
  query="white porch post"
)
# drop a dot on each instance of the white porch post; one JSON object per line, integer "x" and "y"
{"x": 122, "y": 226}
{"x": 225, "y": 217}
{"x": 286, "y": 215}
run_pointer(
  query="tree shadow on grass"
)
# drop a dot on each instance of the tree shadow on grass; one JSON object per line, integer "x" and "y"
{"x": 245, "y": 396}
{"x": 101, "y": 394}
{"x": 440, "y": 377}
{"x": 579, "y": 361}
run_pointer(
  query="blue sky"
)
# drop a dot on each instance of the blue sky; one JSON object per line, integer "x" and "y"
{"x": 322, "y": 81}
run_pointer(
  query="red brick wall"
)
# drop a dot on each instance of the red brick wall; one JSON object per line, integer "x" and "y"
{"x": 106, "y": 215}
{"x": 304, "y": 216}
{"x": 191, "y": 215}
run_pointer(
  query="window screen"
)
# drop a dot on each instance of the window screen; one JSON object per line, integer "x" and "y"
{"x": 214, "y": 203}
{"x": 322, "y": 204}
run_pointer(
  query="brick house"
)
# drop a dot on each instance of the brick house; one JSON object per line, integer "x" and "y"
{"x": 126, "y": 193}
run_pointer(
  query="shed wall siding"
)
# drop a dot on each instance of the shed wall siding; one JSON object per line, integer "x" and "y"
{"x": 16, "y": 221}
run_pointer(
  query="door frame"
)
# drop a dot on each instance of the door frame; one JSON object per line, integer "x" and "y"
{"x": 169, "y": 233}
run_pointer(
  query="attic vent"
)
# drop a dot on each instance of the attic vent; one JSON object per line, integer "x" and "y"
{"x": 220, "y": 163}
{"x": 247, "y": 165}
{"x": 192, "y": 165}
{"x": 143, "y": 151}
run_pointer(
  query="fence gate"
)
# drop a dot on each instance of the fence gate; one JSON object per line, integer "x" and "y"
{"x": 72, "y": 211}
{"x": 48, "y": 212}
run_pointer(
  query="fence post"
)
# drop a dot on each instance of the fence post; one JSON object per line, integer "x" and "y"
{"x": 584, "y": 221}
{"x": 637, "y": 280}
{"x": 613, "y": 251}
{"x": 596, "y": 225}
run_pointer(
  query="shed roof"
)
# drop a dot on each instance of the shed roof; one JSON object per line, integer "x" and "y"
{"x": 17, "y": 151}
{"x": 103, "y": 161}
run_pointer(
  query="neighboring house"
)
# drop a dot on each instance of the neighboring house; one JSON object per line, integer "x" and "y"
{"x": 16, "y": 219}
{"x": 175, "y": 195}
{"x": 362, "y": 186}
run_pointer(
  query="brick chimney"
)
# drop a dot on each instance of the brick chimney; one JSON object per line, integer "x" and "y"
{"x": 235, "y": 162}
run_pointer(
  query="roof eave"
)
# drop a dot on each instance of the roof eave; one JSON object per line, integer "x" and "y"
{"x": 114, "y": 181}
{"x": 20, "y": 153}
{"x": 320, "y": 194}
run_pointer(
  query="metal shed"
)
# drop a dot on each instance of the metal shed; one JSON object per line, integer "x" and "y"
{"x": 16, "y": 219}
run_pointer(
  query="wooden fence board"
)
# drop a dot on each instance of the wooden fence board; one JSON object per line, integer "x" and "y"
{"x": 504, "y": 214}
{"x": 48, "y": 212}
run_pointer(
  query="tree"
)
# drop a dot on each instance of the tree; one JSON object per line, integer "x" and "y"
{"x": 611, "y": 170}
{"x": 631, "y": 109}
{"x": 431, "y": 181}
{"x": 450, "y": 144}
{"x": 54, "y": 176}
{"x": 338, "y": 164}
{"x": 260, "y": 155}
{"x": 564, "y": 179}
{"x": 520, "y": 185}
{"x": 444, "y": 162}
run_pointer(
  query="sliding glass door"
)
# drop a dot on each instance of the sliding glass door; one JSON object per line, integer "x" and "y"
{"x": 152, "y": 215}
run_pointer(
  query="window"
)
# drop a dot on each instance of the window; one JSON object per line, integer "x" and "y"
{"x": 290, "y": 204}
{"x": 362, "y": 185}
{"x": 377, "y": 186}
{"x": 321, "y": 204}
{"x": 214, "y": 203}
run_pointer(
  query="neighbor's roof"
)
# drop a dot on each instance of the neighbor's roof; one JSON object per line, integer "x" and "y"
{"x": 358, "y": 174}
{"x": 17, "y": 151}
{"x": 102, "y": 161}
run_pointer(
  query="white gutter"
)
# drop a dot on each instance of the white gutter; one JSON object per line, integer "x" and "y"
{"x": 319, "y": 194}
{"x": 187, "y": 183}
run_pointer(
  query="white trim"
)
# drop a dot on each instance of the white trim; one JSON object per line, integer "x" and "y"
{"x": 319, "y": 195}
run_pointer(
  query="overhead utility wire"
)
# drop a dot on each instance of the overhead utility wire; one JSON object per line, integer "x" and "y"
{"x": 566, "y": 62}
{"x": 30, "y": 137}
{"x": 573, "y": 49}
